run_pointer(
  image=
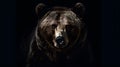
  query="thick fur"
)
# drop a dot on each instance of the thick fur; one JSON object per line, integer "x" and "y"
{"x": 42, "y": 51}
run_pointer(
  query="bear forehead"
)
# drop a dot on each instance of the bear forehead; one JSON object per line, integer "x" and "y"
{"x": 60, "y": 17}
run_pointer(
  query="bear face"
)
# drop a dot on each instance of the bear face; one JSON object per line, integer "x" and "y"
{"x": 60, "y": 28}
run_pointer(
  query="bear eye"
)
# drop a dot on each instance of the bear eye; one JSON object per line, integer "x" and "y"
{"x": 54, "y": 26}
{"x": 69, "y": 27}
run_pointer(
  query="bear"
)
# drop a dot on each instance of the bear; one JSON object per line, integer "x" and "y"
{"x": 60, "y": 37}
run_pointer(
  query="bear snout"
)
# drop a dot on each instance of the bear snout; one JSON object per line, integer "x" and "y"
{"x": 60, "y": 41}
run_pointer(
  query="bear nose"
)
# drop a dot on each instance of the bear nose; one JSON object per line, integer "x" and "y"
{"x": 60, "y": 41}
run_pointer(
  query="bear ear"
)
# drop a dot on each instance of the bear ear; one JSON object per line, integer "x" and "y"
{"x": 79, "y": 9}
{"x": 39, "y": 8}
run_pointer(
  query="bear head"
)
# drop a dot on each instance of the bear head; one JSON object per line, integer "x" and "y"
{"x": 60, "y": 28}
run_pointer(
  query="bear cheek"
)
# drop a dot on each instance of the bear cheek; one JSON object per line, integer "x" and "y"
{"x": 48, "y": 33}
{"x": 73, "y": 35}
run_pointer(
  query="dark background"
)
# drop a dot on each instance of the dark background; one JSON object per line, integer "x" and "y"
{"x": 102, "y": 17}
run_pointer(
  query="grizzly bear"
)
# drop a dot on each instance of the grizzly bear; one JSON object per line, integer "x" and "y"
{"x": 60, "y": 38}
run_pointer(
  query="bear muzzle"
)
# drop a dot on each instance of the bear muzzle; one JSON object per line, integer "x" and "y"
{"x": 60, "y": 41}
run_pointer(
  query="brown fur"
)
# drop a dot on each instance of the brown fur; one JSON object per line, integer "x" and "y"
{"x": 42, "y": 45}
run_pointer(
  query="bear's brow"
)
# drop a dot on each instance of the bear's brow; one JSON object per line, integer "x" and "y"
{"x": 54, "y": 17}
{"x": 58, "y": 16}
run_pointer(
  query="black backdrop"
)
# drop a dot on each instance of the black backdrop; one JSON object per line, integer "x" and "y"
{"x": 102, "y": 18}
